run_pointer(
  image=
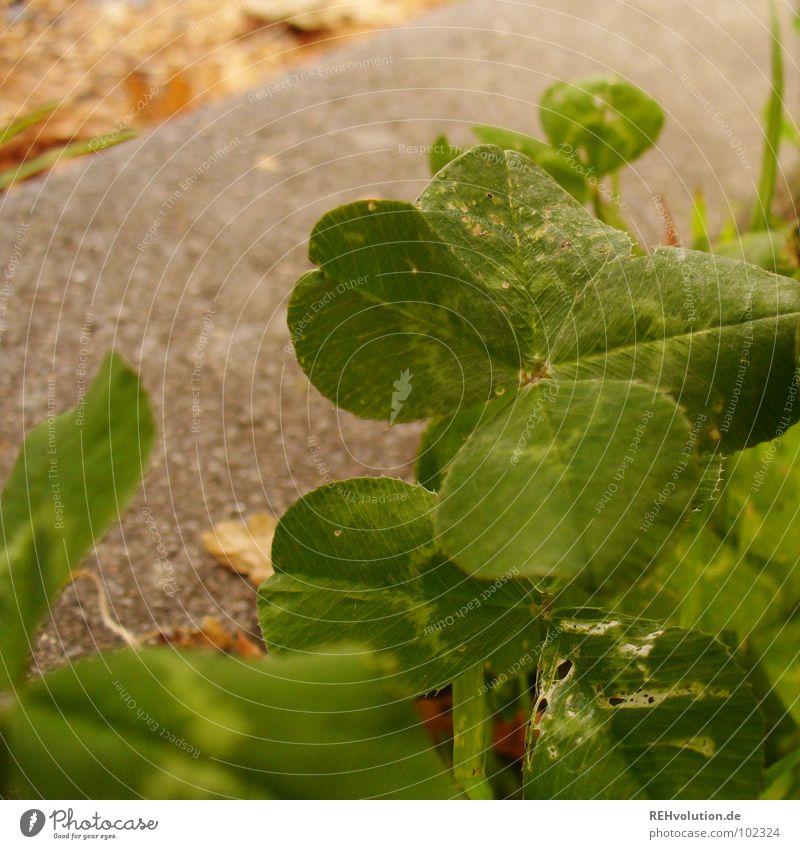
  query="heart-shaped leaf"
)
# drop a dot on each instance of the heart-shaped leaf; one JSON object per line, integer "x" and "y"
{"x": 571, "y": 478}
{"x": 496, "y": 277}
{"x": 604, "y": 123}
{"x": 161, "y": 724}
{"x": 627, "y": 709}
{"x": 72, "y": 478}
{"x": 460, "y": 290}
{"x": 356, "y": 561}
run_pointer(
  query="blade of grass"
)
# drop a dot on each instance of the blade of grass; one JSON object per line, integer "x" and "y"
{"x": 772, "y": 130}
{"x": 35, "y": 117}
{"x": 52, "y": 157}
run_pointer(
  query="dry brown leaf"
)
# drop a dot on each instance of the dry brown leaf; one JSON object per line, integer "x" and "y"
{"x": 244, "y": 546}
{"x": 245, "y": 647}
{"x": 213, "y": 635}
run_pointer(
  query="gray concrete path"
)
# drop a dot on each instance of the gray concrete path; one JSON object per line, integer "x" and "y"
{"x": 180, "y": 249}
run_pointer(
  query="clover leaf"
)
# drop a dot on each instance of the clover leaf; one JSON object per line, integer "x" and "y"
{"x": 495, "y": 284}
{"x": 629, "y": 709}
{"x": 604, "y": 124}
{"x": 496, "y": 278}
{"x": 357, "y": 561}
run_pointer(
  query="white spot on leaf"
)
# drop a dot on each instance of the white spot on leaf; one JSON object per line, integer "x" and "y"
{"x": 593, "y": 629}
{"x": 703, "y": 745}
{"x": 631, "y": 650}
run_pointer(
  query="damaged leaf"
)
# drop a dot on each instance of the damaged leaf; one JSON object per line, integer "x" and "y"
{"x": 629, "y": 709}
{"x": 496, "y": 278}
{"x": 561, "y": 168}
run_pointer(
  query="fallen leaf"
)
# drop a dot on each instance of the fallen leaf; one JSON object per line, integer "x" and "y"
{"x": 245, "y": 647}
{"x": 244, "y": 546}
{"x": 213, "y": 635}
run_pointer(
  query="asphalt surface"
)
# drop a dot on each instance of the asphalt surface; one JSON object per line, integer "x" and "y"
{"x": 180, "y": 249}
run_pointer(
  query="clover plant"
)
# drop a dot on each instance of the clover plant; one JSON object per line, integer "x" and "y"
{"x": 601, "y": 535}
{"x": 582, "y": 402}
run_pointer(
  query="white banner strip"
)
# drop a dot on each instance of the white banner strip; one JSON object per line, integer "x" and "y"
{"x": 404, "y": 825}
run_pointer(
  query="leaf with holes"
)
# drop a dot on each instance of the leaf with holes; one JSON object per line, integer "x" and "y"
{"x": 356, "y": 561}
{"x": 627, "y": 709}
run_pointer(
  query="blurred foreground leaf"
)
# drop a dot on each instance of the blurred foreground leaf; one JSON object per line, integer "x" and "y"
{"x": 72, "y": 478}
{"x": 165, "y": 724}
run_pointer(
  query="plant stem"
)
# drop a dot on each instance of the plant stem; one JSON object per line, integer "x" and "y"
{"x": 700, "y": 239}
{"x": 608, "y": 214}
{"x": 772, "y": 131}
{"x": 471, "y": 732}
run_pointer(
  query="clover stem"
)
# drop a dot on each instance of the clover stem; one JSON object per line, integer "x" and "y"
{"x": 471, "y": 732}
{"x": 615, "y": 187}
{"x": 607, "y": 212}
